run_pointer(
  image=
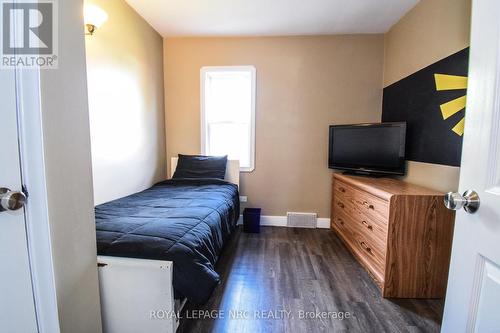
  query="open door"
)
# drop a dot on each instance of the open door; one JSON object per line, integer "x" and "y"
{"x": 473, "y": 296}
{"x": 17, "y": 304}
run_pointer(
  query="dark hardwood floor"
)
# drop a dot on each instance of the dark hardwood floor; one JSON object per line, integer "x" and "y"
{"x": 280, "y": 272}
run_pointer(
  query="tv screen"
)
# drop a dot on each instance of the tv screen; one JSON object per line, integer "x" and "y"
{"x": 368, "y": 148}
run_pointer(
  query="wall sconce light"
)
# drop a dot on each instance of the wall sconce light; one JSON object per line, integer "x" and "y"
{"x": 94, "y": 17}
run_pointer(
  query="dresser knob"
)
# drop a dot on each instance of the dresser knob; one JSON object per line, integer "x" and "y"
{"x": 367, "y": 225}
{"x": 366, "y": 247}
{"x": 340, "y": 204}
{"x": 365, "y": 203}
{"x": 341, "y": 189}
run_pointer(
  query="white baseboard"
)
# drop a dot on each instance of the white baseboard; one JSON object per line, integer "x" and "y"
{"x": 323, "y": 223}
{"x": 280, "y": 221}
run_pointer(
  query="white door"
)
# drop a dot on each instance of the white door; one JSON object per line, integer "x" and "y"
{"x": 473, "y": 295}
{"x": 17, "y": 308}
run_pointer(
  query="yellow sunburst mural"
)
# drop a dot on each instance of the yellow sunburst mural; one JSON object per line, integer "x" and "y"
{"x": 448, "y": 109}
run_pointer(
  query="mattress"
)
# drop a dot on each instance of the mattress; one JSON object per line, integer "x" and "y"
{"x": 186, "y": 221}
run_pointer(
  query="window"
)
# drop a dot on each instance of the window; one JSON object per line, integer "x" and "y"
{"x": 228, "y": 113}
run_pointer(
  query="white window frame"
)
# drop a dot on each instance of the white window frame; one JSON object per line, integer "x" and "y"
{"x": 209, "y": 69}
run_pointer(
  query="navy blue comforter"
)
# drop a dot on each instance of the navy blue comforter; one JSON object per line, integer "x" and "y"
{"x": 186, "y": 221}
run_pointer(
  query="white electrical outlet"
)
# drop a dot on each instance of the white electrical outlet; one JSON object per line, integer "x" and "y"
{"x": 243, "y": 198}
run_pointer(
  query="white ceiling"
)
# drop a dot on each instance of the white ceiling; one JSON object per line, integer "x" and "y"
{"x": 270, "y": 17}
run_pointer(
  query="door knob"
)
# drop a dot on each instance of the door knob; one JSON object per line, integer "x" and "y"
{"x": 469, "y": 201}
{"x": 11, "y": 200}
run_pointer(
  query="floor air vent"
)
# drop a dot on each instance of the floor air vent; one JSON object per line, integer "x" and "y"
{"x": 301, "y": 220}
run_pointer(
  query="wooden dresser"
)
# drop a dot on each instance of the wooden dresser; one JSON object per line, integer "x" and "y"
{"x": 401, "y": 233}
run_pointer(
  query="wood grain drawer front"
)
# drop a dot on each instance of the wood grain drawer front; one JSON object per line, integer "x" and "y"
{"x": 372, "y": 257}
{"x": 375, "y": 229}
{"x": 340, "y": 224}
{"x": 340, "y": 188}
{"x": 361, "y": 233}
{"x": 341, "y": 205}
{"x": 372, "y": 254}
{"x": 365, "y": 203}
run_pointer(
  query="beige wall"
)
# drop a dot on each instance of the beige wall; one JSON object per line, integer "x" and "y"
{"x": 431, "y": 31}
{"x": 304, "y": 84}
{"x": 68, "y": 169}
{"x": 125, "y": 84}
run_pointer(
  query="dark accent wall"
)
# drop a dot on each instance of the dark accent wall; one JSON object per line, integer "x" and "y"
{"x": 415, "y": 100}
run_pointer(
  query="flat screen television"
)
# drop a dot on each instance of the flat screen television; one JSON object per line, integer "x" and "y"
{"x": 377, "y": 149}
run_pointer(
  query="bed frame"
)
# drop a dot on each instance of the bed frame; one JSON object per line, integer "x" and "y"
{"x": 137, "y": 294}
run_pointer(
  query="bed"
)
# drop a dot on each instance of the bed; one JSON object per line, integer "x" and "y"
{"x": 159, "y": 246}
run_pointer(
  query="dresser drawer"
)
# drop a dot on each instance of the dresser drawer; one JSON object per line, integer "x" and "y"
{"x": 339, "y": 223}
{"x": 365, "y": 203}
{"x": 374, "y": 228}
{"x": 370, "y": 253}
{"x": 355, "y": 228}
